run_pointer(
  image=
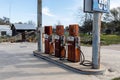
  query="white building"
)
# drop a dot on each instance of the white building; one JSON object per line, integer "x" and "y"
{"x": 5, "y": 30}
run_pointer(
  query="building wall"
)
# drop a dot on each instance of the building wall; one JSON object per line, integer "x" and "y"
{"x": 8, "y": 32}
{"x": 5, "y": 28}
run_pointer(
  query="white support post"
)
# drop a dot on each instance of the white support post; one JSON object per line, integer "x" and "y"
{"x": 96, "y": 40}
{"x": 39, "y": 24}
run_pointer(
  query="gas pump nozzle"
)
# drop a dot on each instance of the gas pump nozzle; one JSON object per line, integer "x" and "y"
{"x": 63, "y": 50}
{"x": 77, "y": 42}
{"x": 50, "y": 39}
{"x": 62, "y": 39}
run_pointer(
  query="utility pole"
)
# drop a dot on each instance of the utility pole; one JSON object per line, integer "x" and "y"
{"x": 96, "y": 40}
{"x": 10, "y": 13}
{"x": 39, "y": 23}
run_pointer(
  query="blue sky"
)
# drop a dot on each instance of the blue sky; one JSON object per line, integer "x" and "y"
{"x": 18, "y": 10}
{"x": 54, "y": 11}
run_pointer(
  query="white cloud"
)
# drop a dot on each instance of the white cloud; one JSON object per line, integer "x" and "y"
{"x": 46, "y": 11}
{"x": 69, "y": 17}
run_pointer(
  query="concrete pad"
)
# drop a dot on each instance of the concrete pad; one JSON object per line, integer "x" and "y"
{"x": 76, "y": 67}
{"x": 18, "y": 63}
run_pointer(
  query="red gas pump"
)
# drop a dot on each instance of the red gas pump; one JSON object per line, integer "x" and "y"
{"x": 60, "y": 42}
{"x": 73, "y": 44}
{"x": 49, "y": 49}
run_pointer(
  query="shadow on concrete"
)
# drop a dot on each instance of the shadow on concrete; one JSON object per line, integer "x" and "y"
{"x": 24, "y": 61}
{"x": 7, "y": 75}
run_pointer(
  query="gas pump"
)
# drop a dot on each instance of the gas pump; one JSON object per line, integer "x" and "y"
{"x": 49, "y": 49}
{"x": 60, "y": 42}
{"x": 73, "y": 44}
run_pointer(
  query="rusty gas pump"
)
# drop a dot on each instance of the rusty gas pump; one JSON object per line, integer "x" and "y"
{"x": 73, "y": 44}
{"x": 60, "y": 42}
{"x": 49, "y": 48}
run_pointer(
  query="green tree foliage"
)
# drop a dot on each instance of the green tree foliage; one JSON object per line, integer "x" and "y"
{"x": 86, "y": 20}
{"x": 4, "y": 21}
{"x": 110, "y": 21}
{"x": 113, "y": 21}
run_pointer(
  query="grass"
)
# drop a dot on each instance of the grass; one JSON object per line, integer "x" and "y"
{"x": 86, "y": 39}
{"x": 105, "y": 39}
{"x": 116, "y": 78}
{"x": 110, "y": 39}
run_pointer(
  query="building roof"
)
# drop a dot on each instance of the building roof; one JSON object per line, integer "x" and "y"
{"x": 24, "y": 27}
{"x": 4, "y": 27}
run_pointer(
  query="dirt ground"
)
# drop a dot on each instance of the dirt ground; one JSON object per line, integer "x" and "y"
{"x": 112, "y": 47}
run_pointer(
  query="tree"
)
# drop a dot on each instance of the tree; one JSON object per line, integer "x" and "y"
{"x": 31, "y": 22}
{"x": 113, "y": 20}
{"x": 4, "y": 21}
{"x": 110, "y": 22}
{"x": 116, "y": 19}
{"x": 87, "y": 26}
{"x": 87, "y": 23}
{"x": 107, "y": 17}
{"x": 20, "y": 23}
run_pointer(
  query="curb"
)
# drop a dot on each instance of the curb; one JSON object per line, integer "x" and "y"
{"x": 68, "y": 67}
